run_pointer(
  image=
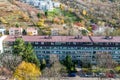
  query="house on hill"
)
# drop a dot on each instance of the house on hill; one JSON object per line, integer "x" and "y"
{"x": 45, "y": 5}
{"x": 15, "y": 31}
{"x": 2, "y": 30}
{"x": 32, "y": 31}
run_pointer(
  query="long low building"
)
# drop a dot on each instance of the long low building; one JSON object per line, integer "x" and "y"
{"x": 78, "y": 47}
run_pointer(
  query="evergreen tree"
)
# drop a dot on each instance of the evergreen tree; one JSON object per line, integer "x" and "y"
{"x": 38, "y": 15}
{"x": 43, "y": 64}
{"x": 26, "y": 51}
{"x": 46, "y": 13}
{"x": 24, "y": 32}
{"x": 19, "y": 47}
{"x": 69, "y": 64}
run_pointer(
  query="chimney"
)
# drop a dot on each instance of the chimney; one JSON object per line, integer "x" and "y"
{"x": 48, "y": 37}
{"x": 78, "y": 37}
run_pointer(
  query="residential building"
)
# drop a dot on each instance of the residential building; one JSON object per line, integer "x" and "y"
{"x": 32, "y": 31}
{"x": 1, "y": 43}
{"x": 2, "y": 30}
{"x": 45, "y": 5}
{"x": 78, "y": 47}
{"x": 15, "y": 31}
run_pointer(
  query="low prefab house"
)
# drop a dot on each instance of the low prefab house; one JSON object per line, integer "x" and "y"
{"x": 15, "y": 31}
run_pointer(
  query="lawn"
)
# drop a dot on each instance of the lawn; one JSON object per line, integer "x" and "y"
{"x": 68, "y": 16}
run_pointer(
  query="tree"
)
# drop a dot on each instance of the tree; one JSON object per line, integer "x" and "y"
{"x": 55, "y": 69}
{"x": 18, "y": 47}
{"x": 17, "y": 25}
{"x": 27, "y": 71}
{"x": 104, "y": 60}
{"x": 40, "y": 23}
{"x": 84, "y": 12}
{"x": 46, "y": 13}
{"x": 29, "y": 55}
{"x": 25, "y": 51}
{"x": 24, "y": 32}
{"x": 43, "y": 64}
{"x": 69, "y": 64}
{"x": 38, "y": 15}
{"x": 86, "y": 61}
{"x": 10, "y": 61}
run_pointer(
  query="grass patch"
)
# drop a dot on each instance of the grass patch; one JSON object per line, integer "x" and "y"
{"x": 68, "y": 16}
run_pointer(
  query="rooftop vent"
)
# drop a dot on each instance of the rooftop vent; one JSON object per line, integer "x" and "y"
{"x": 48, "y": 37}
{"x": 108, "y": 37}
{"x": 78, "y": 37}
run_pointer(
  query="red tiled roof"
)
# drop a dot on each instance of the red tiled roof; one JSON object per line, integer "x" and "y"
{"x": 64, "y": 39}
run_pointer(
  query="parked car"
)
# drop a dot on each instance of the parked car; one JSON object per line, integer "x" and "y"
{"x": 72, "y": 74}
{"x": 109, "y": 75}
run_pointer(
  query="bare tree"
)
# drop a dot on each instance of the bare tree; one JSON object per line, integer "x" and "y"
{"x": 9, "y": 61}
{"x": 54, "y": 71}
{"x": 104, "y": 60}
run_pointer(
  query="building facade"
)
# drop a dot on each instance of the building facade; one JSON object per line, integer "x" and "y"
{"x": 79, "y": 48}
{"x": 15, "y": 31}
{"x": 45, "y": 5}
{"x": 32, "y": 31}
{"x": 1, "y": 43}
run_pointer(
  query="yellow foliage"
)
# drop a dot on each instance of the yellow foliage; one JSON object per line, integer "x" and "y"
{"x": 41, "y": 22}
{"x": 3, "y": 20}
{"x": 77, "y": 10}
{"x": 24, "y": 16}
{"x": 92, "y": 9}
{"x": 17, "y": 12}
{"x": 84, "y": 12}
{"x": 70, "y": 9}
{"x": 62, "y": 21}
{"x": 27, "y": 71}
{"x": 30, "y": 33}
{"x": 62, "y": 6}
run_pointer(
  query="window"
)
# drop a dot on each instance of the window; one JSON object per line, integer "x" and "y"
{"x": 36, "y": 42}
{"x": 42, "y": 43}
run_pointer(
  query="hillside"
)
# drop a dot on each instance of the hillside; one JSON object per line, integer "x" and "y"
{"x": 17, "y": 13}
{"x": 64, "y": 19}
{"x": 104, "y": 10}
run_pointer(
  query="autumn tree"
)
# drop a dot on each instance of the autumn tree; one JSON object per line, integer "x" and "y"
{"x": 55, "y": 69}
{"x": 40, "y": 23}
{"x": 10, "y": 61}
{"x": 104, "y": 60}
{"x": 25, "y": 51}
{"x": 27, "y": 71}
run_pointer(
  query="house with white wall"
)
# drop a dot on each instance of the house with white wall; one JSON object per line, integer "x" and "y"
{"x": 45, "y": 5}
{"x": 32, "y": 31}
{"x": 15, "y": 31}
{"x": 1, "y": 43}
{"x": 2, "y": 30}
